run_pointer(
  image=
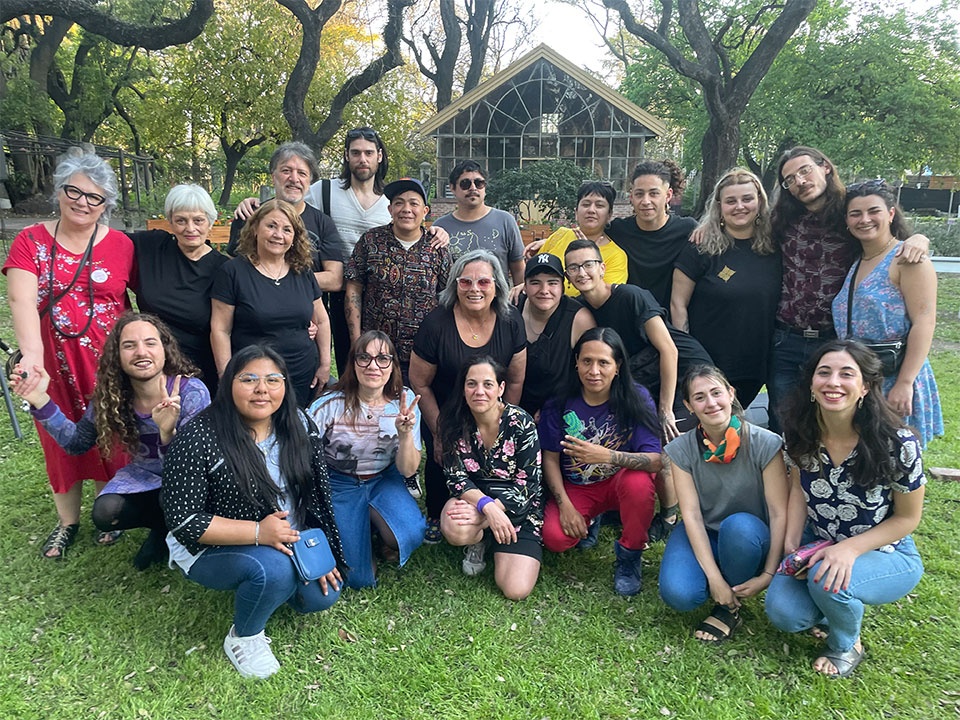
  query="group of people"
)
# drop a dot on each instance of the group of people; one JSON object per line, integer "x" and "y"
{"x": 540, "y": 392}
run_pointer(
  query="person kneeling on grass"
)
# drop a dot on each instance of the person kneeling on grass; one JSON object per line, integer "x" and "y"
{"x": 142, "y": 396}
{"x": 238, "y": 486}
{"x": 371, "y": 439}
{"x": 732, "y": 484}
{"x": 601, "y": 448}
{"x": 491, "y": 458}
{"x": 858, "y": 485}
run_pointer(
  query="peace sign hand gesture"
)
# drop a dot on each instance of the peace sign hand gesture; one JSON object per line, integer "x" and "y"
{"x": 166, "y": 413}
{"x": 407, "y": 416}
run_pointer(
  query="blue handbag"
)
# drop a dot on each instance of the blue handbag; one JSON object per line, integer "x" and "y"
{"x": 312, "y": 557}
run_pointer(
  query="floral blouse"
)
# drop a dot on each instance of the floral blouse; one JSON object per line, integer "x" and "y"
{"x": 838, "y": 508}
{"x": 508, "y": 471}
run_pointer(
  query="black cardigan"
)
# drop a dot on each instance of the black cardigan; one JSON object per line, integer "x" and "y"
{"x": 197, "y": 485}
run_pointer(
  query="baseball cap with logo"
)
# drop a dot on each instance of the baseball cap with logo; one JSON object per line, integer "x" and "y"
{"x": 543, "y": 262}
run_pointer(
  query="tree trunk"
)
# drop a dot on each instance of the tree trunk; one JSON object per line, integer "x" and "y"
{"x": 719, "y": 148}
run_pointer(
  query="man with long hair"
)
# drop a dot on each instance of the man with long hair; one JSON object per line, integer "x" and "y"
{"x": 145, "y": 391}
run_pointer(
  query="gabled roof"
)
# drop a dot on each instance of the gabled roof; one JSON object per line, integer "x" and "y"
{"x": 544, "y": 52}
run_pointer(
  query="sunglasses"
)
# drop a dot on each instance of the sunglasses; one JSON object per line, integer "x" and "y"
{"x": 478, "y": 183}
{"x": 365, "y": 132}
{"x": 484, "y": 283}
{"x": 867, "y": 186}
{"x": 75, "y": 193}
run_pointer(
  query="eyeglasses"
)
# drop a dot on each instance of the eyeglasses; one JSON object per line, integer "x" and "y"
{"x": 366, "y": 133}
{"x": 250, "y": 381}
{"x": 383, "y": 360}
{"x": 478, "y": 183}
{"x": 574, "y": 268}
{"x": 75, "y": 193}
{"x": 790, "y": 180}
{"x": 484, "y": 283}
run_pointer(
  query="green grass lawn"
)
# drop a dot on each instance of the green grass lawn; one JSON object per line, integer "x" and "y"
{"x": 91, "y": 637}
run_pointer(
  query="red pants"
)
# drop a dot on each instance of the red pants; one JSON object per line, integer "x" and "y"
{"x": 630, "y": 491}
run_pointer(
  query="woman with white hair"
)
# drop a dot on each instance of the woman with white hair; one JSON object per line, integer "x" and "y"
{"x": 474, "y": 317}
{"x": 175, "y": 274}
{"x": 67, "y": 284}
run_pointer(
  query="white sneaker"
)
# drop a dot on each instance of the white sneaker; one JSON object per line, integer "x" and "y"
{"x": 473, "y": 562}
{"x": 251, "y": 656}
{"x": 412, "y": 484}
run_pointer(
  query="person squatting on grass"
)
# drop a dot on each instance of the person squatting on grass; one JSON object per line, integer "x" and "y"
{"x": 858, "y": 484}
{"x": 732, "y": 484}
{"x": 371, "y": 441}
{"x": 601, "y": 448}
{"x": 241, "y": 482}
{"x": 143, "y": 394}
{"x": 491, "y": 457}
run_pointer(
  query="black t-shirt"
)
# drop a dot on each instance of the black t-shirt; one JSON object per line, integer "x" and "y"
{"x": 264, "y": 312}
{"x": 177, "y": 290}
{"x": 651, "y": 255}
{"x": 550, "y": 358}
{"x": 733, "y": 306}
{"x": 627, "y": 310}
{"x": 439, "y": 343}
{"x": 325, "y": 241}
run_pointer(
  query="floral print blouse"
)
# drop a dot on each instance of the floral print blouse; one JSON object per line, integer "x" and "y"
{"x": 508, "y": 471}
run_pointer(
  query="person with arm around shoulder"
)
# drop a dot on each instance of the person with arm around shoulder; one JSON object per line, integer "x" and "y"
{"x": 491, "y": 457}
{"x": 240, "y": 484}
{"x": 370, "y": 424}
{"x": 731, "y": 482}
{"x": 857, "y": 483}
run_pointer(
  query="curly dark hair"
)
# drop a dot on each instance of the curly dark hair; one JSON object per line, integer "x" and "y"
{"x": 874, "y": 420}
{"x": 114, "y": 417}
{"x": 298, "y": 256}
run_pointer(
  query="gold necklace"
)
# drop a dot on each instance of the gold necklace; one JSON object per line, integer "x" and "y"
{"x": 476, "y": 335}
{"x": 882, "y": 250}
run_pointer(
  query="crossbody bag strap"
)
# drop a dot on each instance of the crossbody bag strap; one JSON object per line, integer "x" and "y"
{"x": 853, "y": 280}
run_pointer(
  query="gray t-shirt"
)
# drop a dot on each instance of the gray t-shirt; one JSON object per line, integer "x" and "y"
{"x": 497, "y": 231}
{"x": 725, "y": 489}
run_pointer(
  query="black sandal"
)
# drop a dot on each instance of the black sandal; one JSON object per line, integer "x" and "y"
{"x": 60, "y": 539}
{"x": 726, "y": 623}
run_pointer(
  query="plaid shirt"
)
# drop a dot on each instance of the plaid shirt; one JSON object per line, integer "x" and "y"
{"x": 399, "y": 286}
{"x": 815, "y": 262}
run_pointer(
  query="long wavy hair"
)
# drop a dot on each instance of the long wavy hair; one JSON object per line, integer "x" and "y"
{"x": 236, "y": 441}
{"x": 716, "y": 241}
{"x": 877, "y": 461}
{"x": 456, "y": 420}
{"x": 787, "y": 209}
{"x": 113, "y": 414}
{"x": 298, "y": 256}
{"x": 501, "y": 301}
{"x": 349, "y": 385}
{"x": 625, "y": 402}
{"x": 899, "y": 227}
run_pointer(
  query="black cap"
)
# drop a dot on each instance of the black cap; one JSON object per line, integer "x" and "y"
{"x": 543, "y": 262}
{"x": 403, "y": 185}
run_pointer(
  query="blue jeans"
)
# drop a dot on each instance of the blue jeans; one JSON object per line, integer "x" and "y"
{"x": 740, "y": 548}
{"x": 388, "y": 495}
{"x": 878, "y": 577}
{"x": 787, "y": 357}
{"x": 264, "y": 579}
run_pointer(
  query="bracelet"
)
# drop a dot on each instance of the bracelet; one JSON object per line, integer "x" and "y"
{"x": 767, "y": 572}
{"x": 256, "y": 537}
{"x": 483, "y": 502}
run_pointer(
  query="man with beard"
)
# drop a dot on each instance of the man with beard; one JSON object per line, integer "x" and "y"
{"x": 474, "y": 225}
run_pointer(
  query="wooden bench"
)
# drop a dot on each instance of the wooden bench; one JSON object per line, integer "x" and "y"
{"x": 219, "y": 234}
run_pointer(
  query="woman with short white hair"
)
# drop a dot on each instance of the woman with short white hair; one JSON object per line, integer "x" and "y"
{"x": 175, "y": 273}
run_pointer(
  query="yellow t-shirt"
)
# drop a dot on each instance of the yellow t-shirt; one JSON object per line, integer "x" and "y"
{"x": 613, "y": 257}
